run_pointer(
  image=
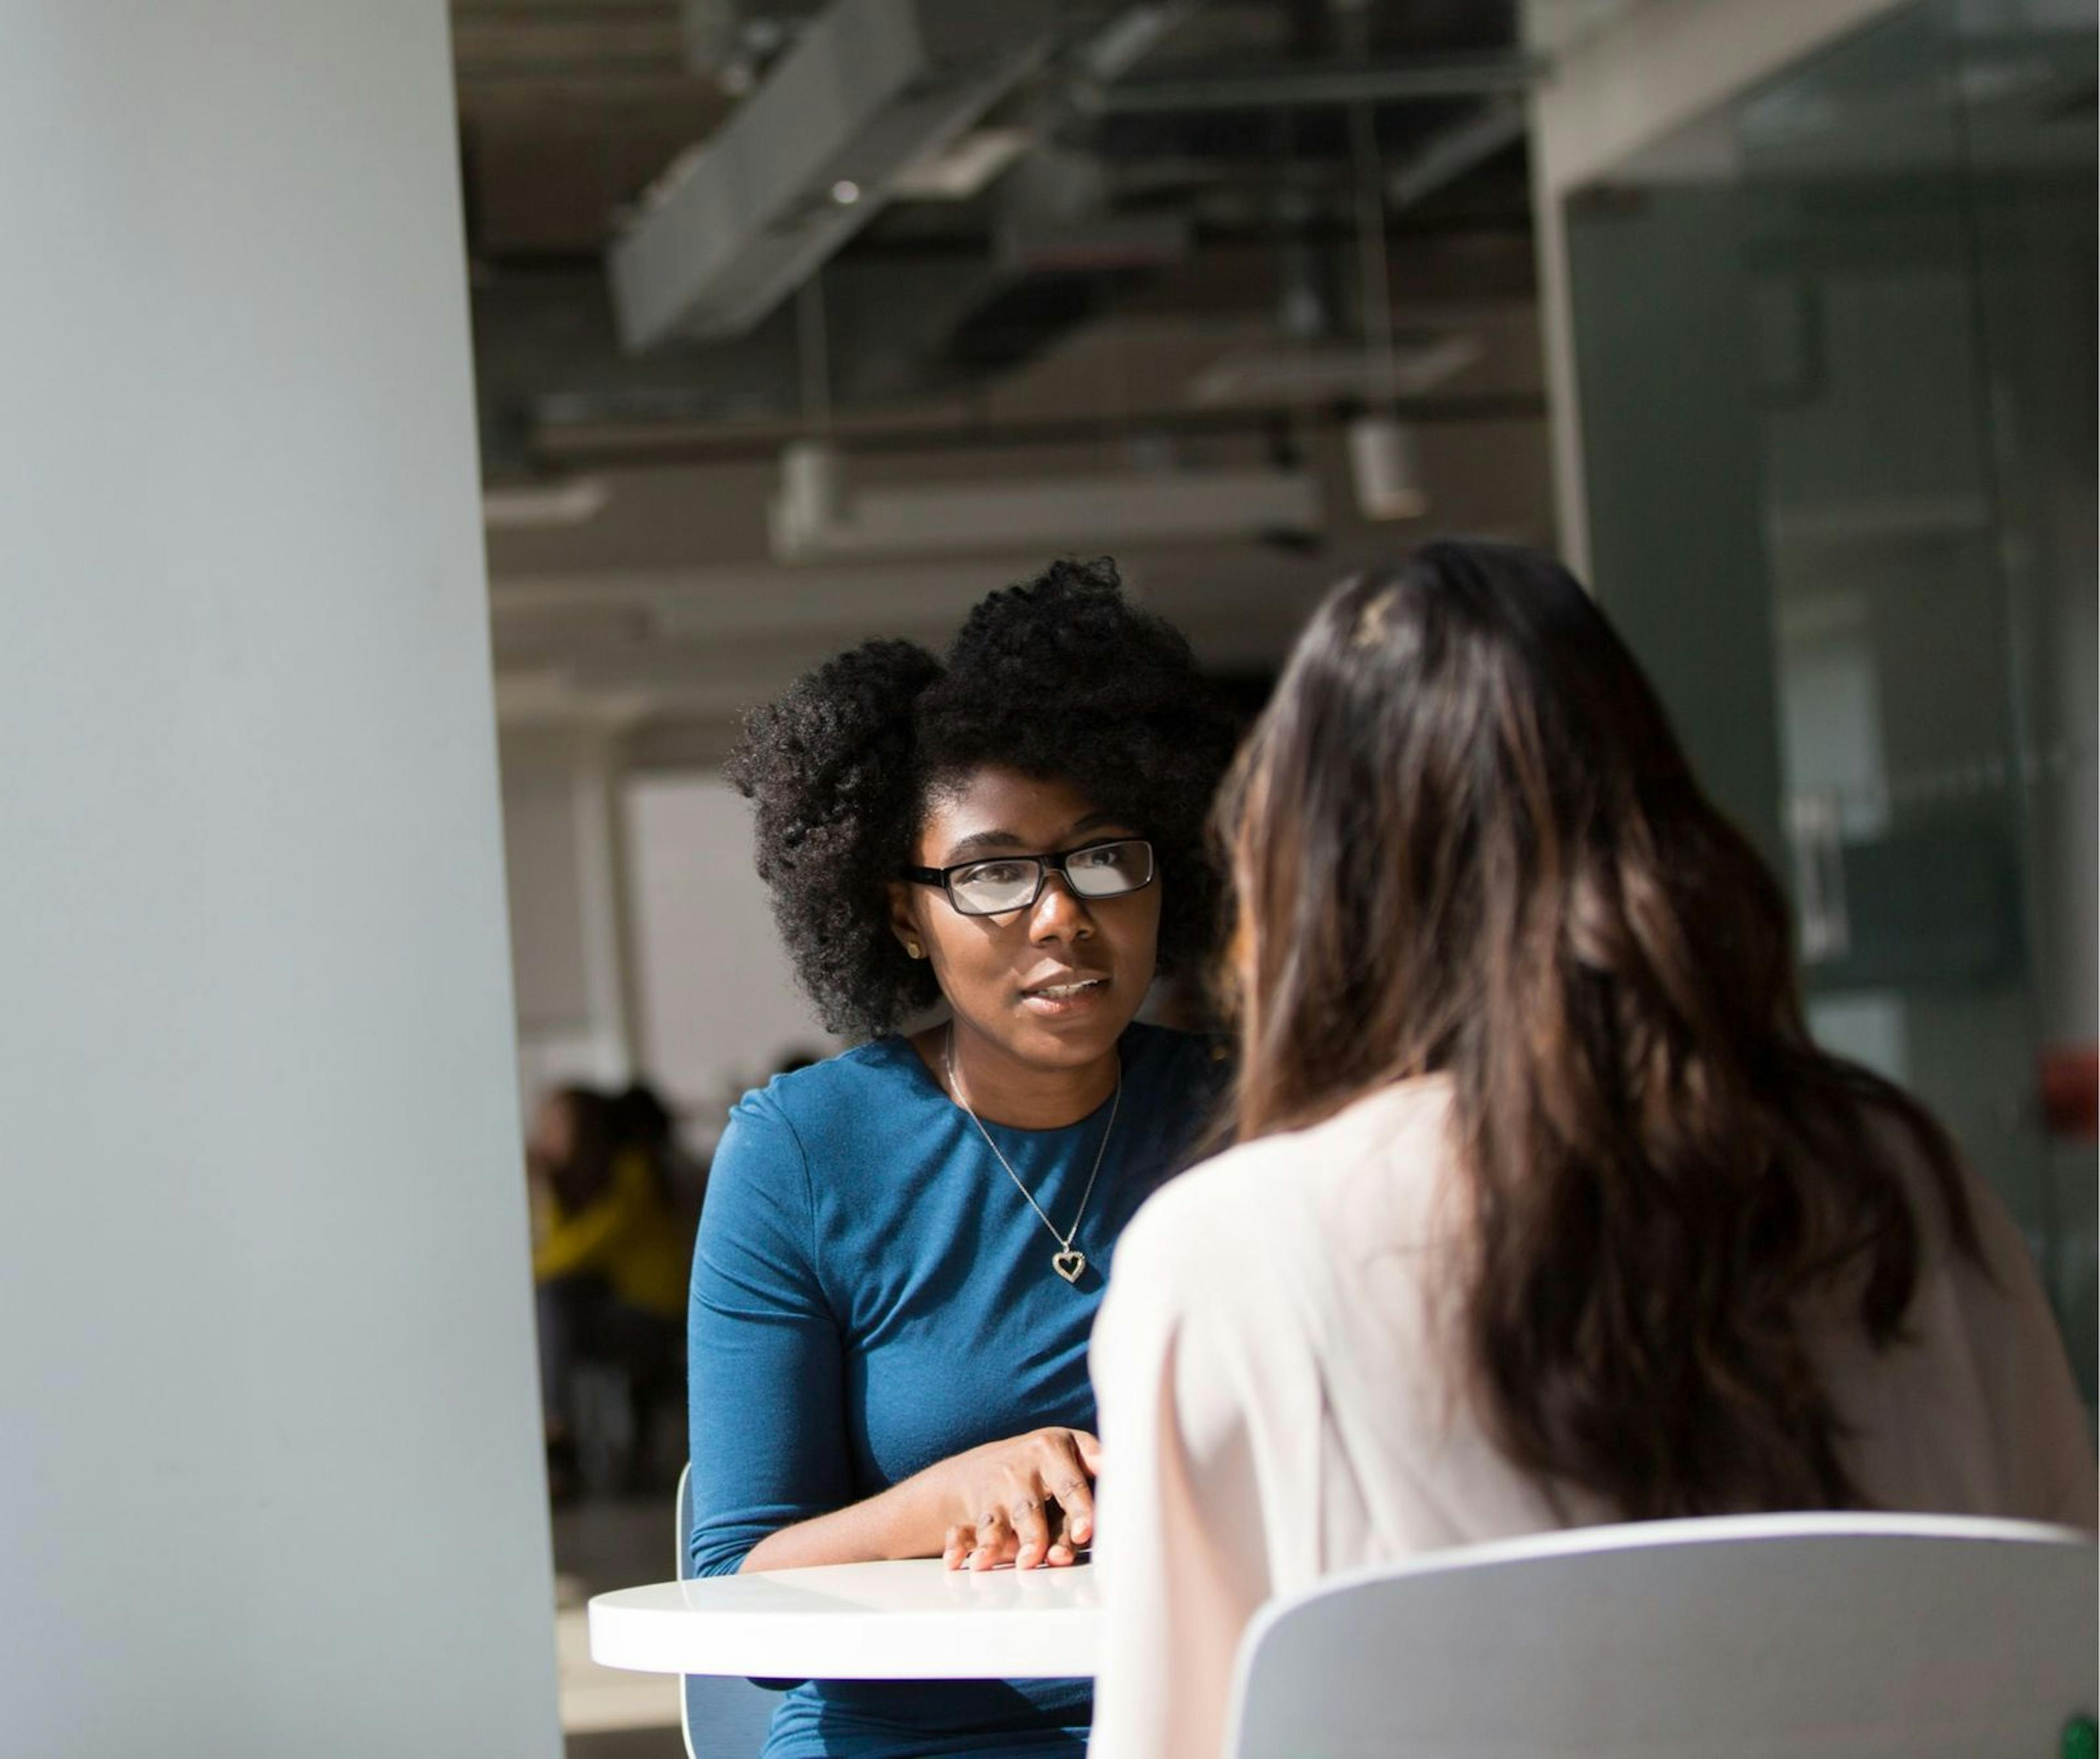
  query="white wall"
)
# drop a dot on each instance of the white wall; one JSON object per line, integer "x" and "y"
{"x": 268, "y": 1478}
{"x": 642, "y": 941}
{"x": 718, "y": 1003}
{"x": 569, "y": 936}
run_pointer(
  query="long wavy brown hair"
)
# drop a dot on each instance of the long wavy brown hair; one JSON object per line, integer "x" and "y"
{"x": 1464, "y": 839}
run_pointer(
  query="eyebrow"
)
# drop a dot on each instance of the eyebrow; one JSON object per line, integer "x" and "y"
{"x": 983, "y": 842}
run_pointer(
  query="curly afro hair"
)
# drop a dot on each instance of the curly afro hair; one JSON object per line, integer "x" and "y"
{"x": 1059, "y": 678}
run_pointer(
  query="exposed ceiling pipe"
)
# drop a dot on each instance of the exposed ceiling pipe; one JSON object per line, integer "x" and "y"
{"x": 1384, "y": 466}
{"x": 1448, "y": 154}
{"x": 1132, "y": 34}
{"x": 1296, "y": 86}
{"x": 712, "y": 442}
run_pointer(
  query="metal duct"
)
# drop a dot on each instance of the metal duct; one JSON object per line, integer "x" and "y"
{"x": 869, "y": 87}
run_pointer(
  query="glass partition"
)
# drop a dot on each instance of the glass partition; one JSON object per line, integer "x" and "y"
{"x": 1835, "y": 350}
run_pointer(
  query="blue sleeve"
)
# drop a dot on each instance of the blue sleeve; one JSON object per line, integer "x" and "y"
{"x": 765, "y": 1375}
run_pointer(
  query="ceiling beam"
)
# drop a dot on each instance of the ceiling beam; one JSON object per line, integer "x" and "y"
{"x": 1300, "y": 86}
{"x": 638, "y": 443}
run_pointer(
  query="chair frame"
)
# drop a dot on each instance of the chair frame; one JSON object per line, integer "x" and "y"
{"x": 679, "y": 1541}
{"x": 682, "y": 1518}
{"x": 1260, "y": 1648}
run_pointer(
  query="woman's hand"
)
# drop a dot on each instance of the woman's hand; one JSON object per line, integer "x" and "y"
{"x": 1027, "y": 1501}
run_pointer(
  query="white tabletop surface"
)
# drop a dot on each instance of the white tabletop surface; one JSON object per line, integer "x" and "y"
{"x": 913, "y": 1620}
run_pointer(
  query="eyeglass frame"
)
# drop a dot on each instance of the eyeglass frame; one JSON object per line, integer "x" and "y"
{"x": 1046, "y": 865}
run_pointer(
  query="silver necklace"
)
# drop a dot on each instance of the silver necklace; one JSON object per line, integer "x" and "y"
{"x": 1067, "y": 1261}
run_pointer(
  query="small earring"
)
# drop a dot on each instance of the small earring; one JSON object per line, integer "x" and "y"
{"x": 914, "y": 949}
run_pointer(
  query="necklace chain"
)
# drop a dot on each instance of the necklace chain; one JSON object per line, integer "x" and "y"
{"x": 1065, "y": 1255}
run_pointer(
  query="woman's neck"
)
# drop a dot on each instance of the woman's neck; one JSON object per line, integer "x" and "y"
{"x": 1002, "y": 1089}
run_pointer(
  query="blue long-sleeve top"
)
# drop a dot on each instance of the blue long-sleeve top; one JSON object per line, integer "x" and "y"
{"x": 870, "y": 1294}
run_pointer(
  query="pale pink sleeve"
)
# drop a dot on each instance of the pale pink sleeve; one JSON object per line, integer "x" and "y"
{"x": 2041, "y": 1419}
{"x": 1181, "y": 1550}
{"x": 1978, "y": 1413}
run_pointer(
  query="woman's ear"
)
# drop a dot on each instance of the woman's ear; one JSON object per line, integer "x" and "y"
{"x": 904, "y": 921}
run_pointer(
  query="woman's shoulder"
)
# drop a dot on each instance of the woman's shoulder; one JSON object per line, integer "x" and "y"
{"x": 850, "y": 1079}
{"x": 1371, "y": 1171}
{"x": 1264, "y": 1260}
{"x": 811, "y": 1110}
{"x": 806, "y": 1131}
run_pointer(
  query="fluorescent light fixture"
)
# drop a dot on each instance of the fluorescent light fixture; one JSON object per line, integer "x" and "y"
{"x": 818, "y": 515}
{"x": 1268, "y": 376}
{"x": 568, "y": 500}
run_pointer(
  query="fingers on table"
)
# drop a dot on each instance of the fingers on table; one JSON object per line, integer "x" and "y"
{"x": 1031, "y": 1531}
{"x": 1039, "y": 1511}
{"x": 1067, "y": 1477}
{"x": 995, "y": 1542}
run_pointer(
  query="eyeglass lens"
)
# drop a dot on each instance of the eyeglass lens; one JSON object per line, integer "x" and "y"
{"x": 1107, "y": 870}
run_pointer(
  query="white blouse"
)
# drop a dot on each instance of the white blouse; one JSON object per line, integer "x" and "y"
{"x": 1273, "y": 1409}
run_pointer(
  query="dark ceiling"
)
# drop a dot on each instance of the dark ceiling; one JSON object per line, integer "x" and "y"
{"x": 1227, "y": 126}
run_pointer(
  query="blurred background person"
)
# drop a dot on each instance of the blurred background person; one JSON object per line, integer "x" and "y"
{"x": 1547, "y": 1209}
{"x": 645, "y": 1124}
{"x": 609, "y": 1269}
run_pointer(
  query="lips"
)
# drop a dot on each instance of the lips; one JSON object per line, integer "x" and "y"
{"x": 1065, "y": 988}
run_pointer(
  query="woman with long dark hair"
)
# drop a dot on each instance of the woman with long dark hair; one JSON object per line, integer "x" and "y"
{"x": 1545, "y": 1208}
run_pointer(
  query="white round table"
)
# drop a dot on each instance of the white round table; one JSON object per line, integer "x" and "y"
{"x": 911, "y": 1620}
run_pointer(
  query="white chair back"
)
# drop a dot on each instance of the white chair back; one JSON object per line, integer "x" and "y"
{"x": 1815, "y": 1636}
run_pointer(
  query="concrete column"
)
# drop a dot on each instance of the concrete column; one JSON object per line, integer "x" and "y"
{"x": 269, "y": 1479}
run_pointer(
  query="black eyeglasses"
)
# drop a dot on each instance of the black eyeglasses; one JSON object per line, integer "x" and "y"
{"x": 993, "y": 886}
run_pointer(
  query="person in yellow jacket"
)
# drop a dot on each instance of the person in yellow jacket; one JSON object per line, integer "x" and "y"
{"x": 609, "y": 1271}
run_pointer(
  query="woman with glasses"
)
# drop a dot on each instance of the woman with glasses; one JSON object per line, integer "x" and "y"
{"x": 1546, "y": 1209}
{"x": 978, "y": 866}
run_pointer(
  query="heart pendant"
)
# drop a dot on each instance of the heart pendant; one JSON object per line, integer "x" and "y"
{"x": 1069, "y": 1264}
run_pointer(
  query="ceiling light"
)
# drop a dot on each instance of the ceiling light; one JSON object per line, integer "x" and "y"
{"x": 566, "y": 501}
{"x": 1262, "y": 377}
{"x": 819, "y": 514}
{"x": 812, "y": 485}
{"x": 1385, "y": 469}
{"x": 845, "y": 191}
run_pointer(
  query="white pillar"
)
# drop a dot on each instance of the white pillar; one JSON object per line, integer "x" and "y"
{"x": 268, "y": 1468}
